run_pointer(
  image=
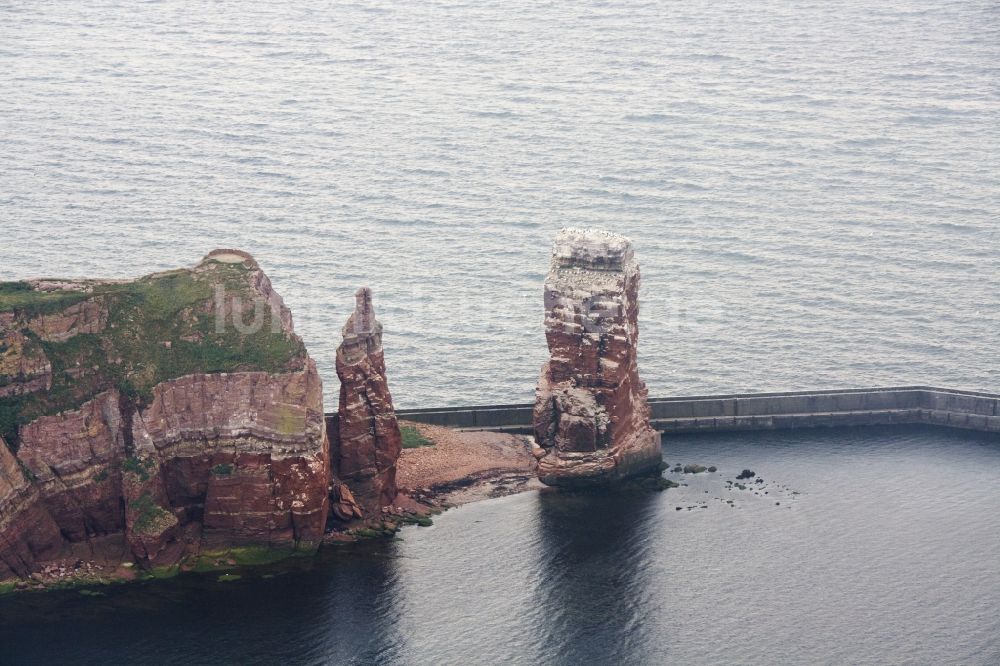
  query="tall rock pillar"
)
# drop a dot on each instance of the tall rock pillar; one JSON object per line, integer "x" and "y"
{"x": 368, "y": 433}
{"x": 591, "y": 413}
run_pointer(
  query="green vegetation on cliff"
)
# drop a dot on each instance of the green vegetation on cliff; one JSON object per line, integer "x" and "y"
{"x": 139, "y": 467}
{"x": 21, "y": 297}
{"x": 153, "y": 329}
{"x": 150, "y": 517}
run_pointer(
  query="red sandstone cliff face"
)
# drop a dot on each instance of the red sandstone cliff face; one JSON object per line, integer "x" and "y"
{"x": 88, "y": 316}
{"x": 243, "y": 453}
{"x": 23, "y": 365}
{"x": 369, "y": 441}
{"x": 28, "y": 534}
{"x": 203, "y": 461}
{"x": 591, "y": 412}
{"x": 74, "y": 459}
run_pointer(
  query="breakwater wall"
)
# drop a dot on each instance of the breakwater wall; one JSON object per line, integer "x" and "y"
{"x": 970, "y": 410}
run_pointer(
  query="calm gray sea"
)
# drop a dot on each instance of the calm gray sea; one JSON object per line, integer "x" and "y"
{"x": 813, "y": 189}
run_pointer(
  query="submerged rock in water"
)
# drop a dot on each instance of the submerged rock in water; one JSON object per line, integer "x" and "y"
{"x": 368, "y": 441}
{"x": 746, "y": 474}
{"x": 591, "y": 413}
{"x": 173, "y": 424}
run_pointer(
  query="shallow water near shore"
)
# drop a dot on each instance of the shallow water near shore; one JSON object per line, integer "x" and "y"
{"x": 887, "y": 554}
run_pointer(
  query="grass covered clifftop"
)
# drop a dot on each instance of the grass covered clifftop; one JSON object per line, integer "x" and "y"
{"x": 62, "y": 342}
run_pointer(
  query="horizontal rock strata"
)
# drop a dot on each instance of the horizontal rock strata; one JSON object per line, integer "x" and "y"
{"x": 368, "y": 436}
{"x": 153, "y": 419}
{"x": 591, "y": 415}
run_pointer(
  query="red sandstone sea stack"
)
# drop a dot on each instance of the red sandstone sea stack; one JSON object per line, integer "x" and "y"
{"x": 591, "y": 414}
{"x": 368, "y": 437}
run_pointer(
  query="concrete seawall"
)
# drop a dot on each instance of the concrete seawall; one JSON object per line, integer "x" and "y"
{"x": 853, "y": 407}
{"x": 969, "y": 410}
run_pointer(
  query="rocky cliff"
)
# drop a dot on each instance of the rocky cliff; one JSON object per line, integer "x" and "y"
{"x": 149, "y": 420}
{"x": 591, "y": 414}
{"x": 368, "y": 440}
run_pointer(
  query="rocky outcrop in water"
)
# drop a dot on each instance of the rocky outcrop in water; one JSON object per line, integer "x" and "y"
{"x": 368, "y": 440}
{"x": 591, "y": 415}
{"x": 153, "y": 419}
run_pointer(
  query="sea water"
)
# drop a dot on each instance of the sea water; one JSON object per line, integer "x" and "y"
{"x": 813, "y": 190}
